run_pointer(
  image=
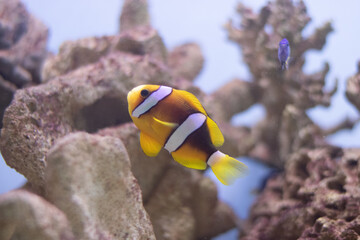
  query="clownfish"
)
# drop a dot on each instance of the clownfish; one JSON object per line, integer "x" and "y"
{"x": 175, "y": 120}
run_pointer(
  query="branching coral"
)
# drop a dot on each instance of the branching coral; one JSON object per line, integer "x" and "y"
{"x": 286, "y": 95}
{"x": 317, "y": 197}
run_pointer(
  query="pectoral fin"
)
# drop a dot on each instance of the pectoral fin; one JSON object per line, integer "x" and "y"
{"x": 167, "y": 124}
{"x": 215, "y": 134}
{"x": 149, "y": 145}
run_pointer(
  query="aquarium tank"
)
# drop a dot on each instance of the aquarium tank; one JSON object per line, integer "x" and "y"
{"x": 273, "y": 84}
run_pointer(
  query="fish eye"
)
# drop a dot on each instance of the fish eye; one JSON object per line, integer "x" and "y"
{"x": 144, "y": 93}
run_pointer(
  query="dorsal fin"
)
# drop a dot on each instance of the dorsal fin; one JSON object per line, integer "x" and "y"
{"x": 189, "y": 97}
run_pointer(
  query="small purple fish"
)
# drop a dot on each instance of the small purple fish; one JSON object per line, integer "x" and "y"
{"x": 284, "y": 53}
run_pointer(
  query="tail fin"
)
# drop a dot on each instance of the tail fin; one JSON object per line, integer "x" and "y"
{"x": 226, "y": 168}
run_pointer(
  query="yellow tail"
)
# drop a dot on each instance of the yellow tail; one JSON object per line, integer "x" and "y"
{"x": 226, "y": 168}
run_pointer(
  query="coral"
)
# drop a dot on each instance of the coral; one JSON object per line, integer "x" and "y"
{"x": 23, "y": 41}
{"x": 353, "y": 88}
{"x": 317, "y": 197}
{"x": 286, "y": 95}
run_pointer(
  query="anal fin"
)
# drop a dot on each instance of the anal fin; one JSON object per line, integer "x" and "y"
{"x": 190, "y": 157}
{"x": 149, "y": 145}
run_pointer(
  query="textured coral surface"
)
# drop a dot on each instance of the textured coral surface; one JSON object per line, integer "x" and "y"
{"x": 23, "y": 41}
{"x": 318, "y": 197}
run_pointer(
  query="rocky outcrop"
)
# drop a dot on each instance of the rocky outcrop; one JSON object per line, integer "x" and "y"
{"x": 88, "y": 177}
{"x": 181, "y": 202}
{"x": 24, "y": 215}
{"x": 148, "y": 171}
{"x": 23, "y": 41}
{"x": 88, "y": 99}
{"x": 71, "y": 137}
{"x": 317, "y": 197}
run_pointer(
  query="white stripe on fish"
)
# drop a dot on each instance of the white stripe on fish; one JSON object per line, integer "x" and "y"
{"x": 191, "y": 124}
{"x": 151, "y": 101}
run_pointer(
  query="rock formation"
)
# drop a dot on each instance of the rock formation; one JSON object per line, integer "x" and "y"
{"x": 24, "y": 215}
{"x": 72, "y": 138}
{"x": 317, "y": 197}
{"x": 23, "y": 41}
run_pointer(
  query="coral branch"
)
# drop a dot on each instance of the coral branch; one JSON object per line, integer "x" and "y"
{"x": 234, "y": 97}
{"x": 353, "y": 88}
{"x": 186, "y": 61}
{"x": 134, "y": 14}
{"x": 258, "y": 36}
{"x": 345, "y": 124}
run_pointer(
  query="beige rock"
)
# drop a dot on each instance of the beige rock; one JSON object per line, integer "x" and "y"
{"x": 7, "y": 91}
{"x": 171, "y": 216}
{"x": 147, "y": 170}
{"x": 142, "y": 41}
{"x": 136, "y": 37}
{"x": 212, "y": 216}
{"x": 164, "y": 194}
{"x": 90, "y": 98}
{"x": 186, "y": 61}
{"x": 88, "y": 177}
{"x": 184, "y": 206}
{"x": 74, "y": 54}
{"x": 134, "y": 14}
{"x": 23, "y": 41}
{"x": 24, "y": 215}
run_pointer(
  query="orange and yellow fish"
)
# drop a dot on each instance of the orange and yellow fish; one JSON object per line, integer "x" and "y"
{"x": 176, "y": 120}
